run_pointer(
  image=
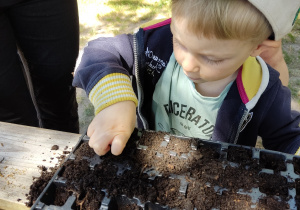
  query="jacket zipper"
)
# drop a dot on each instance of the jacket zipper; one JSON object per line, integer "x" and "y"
{"x": 245, "y": 115}
{"x": 138, "y": 83}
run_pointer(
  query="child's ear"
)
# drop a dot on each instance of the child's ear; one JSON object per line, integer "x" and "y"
{"x": 266, "y": 45}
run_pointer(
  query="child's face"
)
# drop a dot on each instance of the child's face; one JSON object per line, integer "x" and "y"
{"x": 208, "y": 60}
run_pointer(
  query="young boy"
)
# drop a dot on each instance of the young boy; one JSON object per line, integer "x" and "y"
{"x": 214, "y": 87}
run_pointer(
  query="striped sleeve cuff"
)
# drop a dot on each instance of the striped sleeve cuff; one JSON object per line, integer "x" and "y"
{"x": 111, "y": 89}
{"x": 298, "y": 151}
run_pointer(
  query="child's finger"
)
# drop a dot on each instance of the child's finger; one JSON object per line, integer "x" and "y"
{"x": 118, "y": 144}
{"x": 101, "y": 149}
{"x": 100, "y": 143}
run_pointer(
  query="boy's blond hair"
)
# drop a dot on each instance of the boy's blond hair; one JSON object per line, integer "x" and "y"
{"x": 223, "y": 19}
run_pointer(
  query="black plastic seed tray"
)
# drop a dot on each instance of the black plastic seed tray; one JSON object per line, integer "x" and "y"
{"x": 206, "y": 175}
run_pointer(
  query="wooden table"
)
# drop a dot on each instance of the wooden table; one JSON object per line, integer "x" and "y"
{"x": 22, "y": 150}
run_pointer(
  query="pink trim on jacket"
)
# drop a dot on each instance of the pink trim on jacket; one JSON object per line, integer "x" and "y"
{"x": 162, "y": 23}
{"x": 241, "y": 88}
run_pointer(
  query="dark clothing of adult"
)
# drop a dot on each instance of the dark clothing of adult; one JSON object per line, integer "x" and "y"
{"x": 40, "y": 37}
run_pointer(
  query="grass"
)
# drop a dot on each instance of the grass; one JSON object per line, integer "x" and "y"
{"x": 292, "y": 37}
{"x": 89, "y": 110}
{"x": 125, "y": 13}
{"x": 287, "y": 57}
{"x": 291, "y": 51}
{"x": 112, "y": 17}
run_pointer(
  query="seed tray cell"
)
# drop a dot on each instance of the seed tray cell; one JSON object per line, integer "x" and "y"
{"x": 162, "y": 171}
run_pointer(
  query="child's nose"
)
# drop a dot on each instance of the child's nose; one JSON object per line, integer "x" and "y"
{"x": 189, "y": 64}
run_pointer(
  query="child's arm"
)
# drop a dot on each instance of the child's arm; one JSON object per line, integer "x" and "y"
{"x": 272, "y": 54}
{"x": 104, "y": 74}
{"x": 103, "y": 56}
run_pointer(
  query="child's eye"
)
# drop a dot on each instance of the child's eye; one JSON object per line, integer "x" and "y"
{"x": 213, "y": 62}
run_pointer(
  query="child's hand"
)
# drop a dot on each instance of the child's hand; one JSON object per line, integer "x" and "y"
{"x": 112, "y": 127}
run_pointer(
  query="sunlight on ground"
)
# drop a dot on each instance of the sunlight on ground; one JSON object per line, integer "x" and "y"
{"x": 112, "y": 17}
{"x": 89, "y": 10}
